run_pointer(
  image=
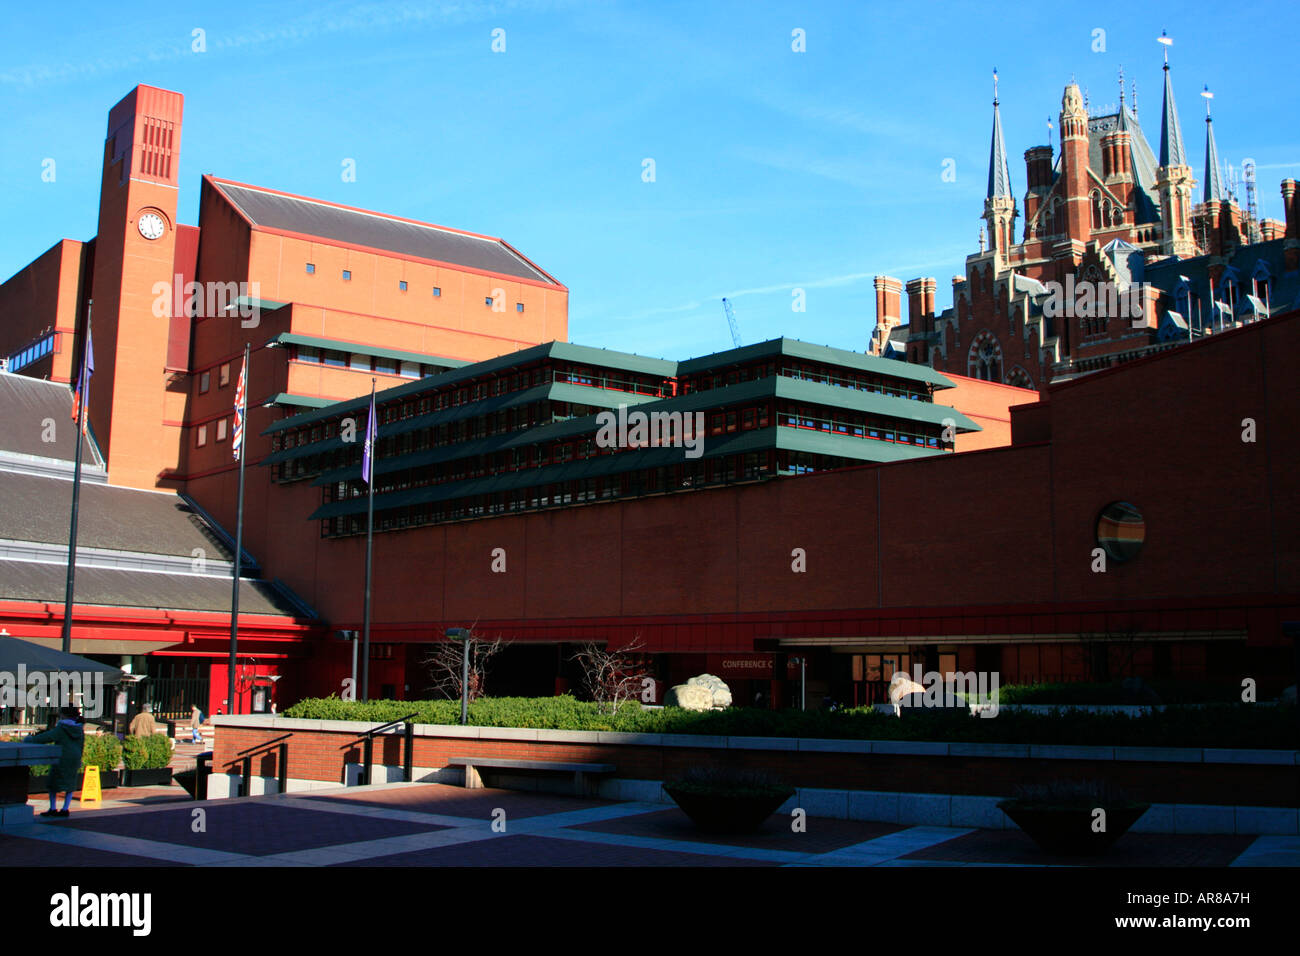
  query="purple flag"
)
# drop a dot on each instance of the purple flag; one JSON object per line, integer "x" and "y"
{"x": 368, "y": 451}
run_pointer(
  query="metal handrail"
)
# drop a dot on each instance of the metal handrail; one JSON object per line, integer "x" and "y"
{"x": 246, "y": 770}
{"x": 368, "y": 747}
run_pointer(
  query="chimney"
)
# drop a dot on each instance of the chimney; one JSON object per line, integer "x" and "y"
{"x": 888, "y": 312}
{"x": 920, "y": 305}
{"x": 1292, "y": 206}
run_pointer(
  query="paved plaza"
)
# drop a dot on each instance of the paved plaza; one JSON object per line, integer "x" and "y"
{"x": 413, "y": 824}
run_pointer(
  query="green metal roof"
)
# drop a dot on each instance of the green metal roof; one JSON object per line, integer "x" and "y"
{"x": 306, "y": 401}
{"x": 815, "y": 353}
{"x": 857, "y": 449}
{"x": 311, "y": 341}
{"x": 874, "y": 403}
{"x": 564, "y": 351}
{"x": 556, "y": 392}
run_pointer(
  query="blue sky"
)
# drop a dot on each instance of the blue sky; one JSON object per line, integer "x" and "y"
{"x": 774, "y": 170}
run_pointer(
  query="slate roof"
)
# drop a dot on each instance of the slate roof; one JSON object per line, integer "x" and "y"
{"x": 25, "y": 403}
{"x": 1141, "y": 159}
{"x": 115, "y": 587}
{"x": 999, "y": 174}
{"x": 38, "y": 508}
{"x": 359, "y": 227}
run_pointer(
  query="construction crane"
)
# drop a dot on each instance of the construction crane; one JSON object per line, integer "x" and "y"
{"x": 731, "y": 321}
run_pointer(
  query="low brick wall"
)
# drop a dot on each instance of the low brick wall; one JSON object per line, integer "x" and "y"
{"x": 318, "y": 750}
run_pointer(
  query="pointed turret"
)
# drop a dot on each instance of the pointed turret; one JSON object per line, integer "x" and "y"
{"x": 1213, "y": 189}
{"x": 1171, "y": 133}
{"x": 1174, "y": 180}
{"x": 999, "y": 203}
{"x": 999, "y": 172}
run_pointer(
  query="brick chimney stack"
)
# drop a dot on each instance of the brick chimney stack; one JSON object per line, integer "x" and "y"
{"x": 888, "y": 312}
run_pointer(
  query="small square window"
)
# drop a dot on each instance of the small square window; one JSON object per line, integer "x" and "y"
{"x": 225, "y": 375}
{"x": 437, "y": 290}
{"x": 487, "y": 300}
{"x": 402, "y": 285}
{"x": 311, "y": 268}
{"x": 519, "y": 307}
{"x": 203, "y": 436}
{"x": 221, "y": 429}
{"x": 205, "y": 382}
{"x": 347, "y": 275}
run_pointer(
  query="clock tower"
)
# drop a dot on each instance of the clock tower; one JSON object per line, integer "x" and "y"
{"x": 134, "y": 251}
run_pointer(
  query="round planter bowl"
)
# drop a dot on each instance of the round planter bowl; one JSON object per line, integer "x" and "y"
{"x": 1068, "y": 830}
{"x": 723, "y": 812}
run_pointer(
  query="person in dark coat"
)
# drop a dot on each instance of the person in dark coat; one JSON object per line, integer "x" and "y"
{"x": 64, "y": 775}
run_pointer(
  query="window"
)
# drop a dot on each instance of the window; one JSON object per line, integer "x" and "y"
{"x": 205, "y": 382}
{"x": 360, "y": 362}
{"x": 1121, "y": 531}
{"x": 410, "y": 370}
{"x": 202, "y": 436}
{"x": 311, "y": 268}
{"x": 336, "y": 359}
{"x": 308, "y": 354}
{"x": 224, "y": 378}
{"x": 402, "y": 285}
{"x": 347, "y": 275}
{"x": 487, "y": 300}
{"x": 437, "y": 291}
{"x": 386, "y": 365}
{"x": 221, "y": 429}
{"x": 519, "y": 307}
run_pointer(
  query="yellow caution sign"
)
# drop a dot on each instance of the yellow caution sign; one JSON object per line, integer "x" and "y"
{"x": 90, "y": 789}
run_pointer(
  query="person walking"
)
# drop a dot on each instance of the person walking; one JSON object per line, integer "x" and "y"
{"x": 70, "y": 736}
{"x": 196, "y": 721}
{"x": 143, "y": 724}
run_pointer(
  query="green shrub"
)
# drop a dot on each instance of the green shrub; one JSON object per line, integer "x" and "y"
{"x": 103, "y": 751}
{"x": 1214, "y": 725}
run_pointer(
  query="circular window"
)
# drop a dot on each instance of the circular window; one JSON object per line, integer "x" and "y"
{"x": 1121, "y": 531}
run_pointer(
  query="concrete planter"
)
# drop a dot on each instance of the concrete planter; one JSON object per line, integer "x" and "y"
{"x": 723, "y": 812}
{"x": 1068, "y": 830}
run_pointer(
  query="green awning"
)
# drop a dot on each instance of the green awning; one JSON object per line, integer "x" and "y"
{"x": 401, "y": 355}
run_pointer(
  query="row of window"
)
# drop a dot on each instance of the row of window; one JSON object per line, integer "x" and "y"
{"x": 221, "y": 427}
{"x": 359, "y": 362}
{"x": 687, "y": 475}
{"x": 33, "y": 353}
{"x": 403, "y": 286}
{"x": 223, "y": 378}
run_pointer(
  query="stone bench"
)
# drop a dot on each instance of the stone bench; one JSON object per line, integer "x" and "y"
{"x": 583, "y": 774}
{"x": 16, "y": 759}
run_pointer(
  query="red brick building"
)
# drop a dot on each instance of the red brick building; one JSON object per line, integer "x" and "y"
{"x": 862, "y": 513}
{"x": 1115, "y": 259}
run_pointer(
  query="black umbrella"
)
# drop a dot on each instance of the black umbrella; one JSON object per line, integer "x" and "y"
{"x": 46, "y": 660}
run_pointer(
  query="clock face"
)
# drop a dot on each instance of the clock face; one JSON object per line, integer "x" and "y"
{"x": 151, "y": 226}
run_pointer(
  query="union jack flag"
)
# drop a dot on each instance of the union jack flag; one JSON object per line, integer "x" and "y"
{"x": 81, "y": 391}
{"x": 237, "y": 440}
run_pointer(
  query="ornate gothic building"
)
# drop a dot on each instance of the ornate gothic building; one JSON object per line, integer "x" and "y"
{"x": 1115, "y": 258}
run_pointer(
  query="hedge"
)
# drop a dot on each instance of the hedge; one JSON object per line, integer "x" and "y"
{"x": 1213, "y": 725}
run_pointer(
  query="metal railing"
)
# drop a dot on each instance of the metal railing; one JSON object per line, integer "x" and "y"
{"x": 368, "y": 747}
{"x": 245, "y": 759}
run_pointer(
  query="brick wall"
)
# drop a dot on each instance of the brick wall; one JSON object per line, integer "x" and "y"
{"x": 320, "y": 755}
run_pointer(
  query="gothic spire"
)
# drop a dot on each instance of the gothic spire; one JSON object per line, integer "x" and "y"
{"x": 999, "y": 172}
{"x": 1213, "y": 189}
{"x": 1171, "y": 133}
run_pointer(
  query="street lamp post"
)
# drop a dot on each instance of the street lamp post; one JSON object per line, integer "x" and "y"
{"x": 462, "y": 634}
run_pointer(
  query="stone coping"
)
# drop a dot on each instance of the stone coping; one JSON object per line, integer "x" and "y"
{"x": 17, "y": 754}
{"x": 808, "y": 744}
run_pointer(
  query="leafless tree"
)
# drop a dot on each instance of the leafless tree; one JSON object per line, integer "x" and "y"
{"x": 613, "y": 676}
{"x": 444, "y": 663}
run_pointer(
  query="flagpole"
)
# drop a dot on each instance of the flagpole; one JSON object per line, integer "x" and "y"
{"x": 372, "y": 436}
{"x": 82, "y": 393}
{"x": 239, "y": 540}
